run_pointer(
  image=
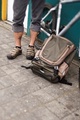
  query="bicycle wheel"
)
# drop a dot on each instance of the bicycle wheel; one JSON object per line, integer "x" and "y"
{"x": 50, "y": 24}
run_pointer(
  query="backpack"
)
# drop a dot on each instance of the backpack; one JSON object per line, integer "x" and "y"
{"x": 54, "y": 58}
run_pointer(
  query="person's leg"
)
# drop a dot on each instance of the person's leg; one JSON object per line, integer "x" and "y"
{"x": 37, "y": 9}
{"x": 17, "y": 37}
{"x": 19, "y": 8}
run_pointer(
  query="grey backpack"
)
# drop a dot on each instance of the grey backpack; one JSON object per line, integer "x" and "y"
{"x": 53, "y": 60}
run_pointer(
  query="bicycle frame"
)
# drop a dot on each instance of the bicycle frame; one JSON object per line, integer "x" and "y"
{"x": 59, "y": 15}
{"x": 76, "y": 17}
{"x": 72, "y": 21}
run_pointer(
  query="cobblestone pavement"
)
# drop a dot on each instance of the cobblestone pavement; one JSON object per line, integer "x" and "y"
{"x": 26, "y": 96}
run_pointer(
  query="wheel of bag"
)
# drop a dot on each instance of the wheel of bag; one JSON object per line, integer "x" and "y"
{"x": 52, "y": 17}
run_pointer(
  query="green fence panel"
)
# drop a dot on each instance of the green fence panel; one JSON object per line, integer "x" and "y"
{"x": 68, "y": 12}
{"x": 29, "y": 19}
{"x": 52, "y": 2}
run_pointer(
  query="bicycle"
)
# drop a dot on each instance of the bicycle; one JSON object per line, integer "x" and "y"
{"x": 50, "y": 26}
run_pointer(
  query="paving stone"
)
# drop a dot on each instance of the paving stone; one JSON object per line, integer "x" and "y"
{"x": 3, "y": 61}
{"x": 75, "y": 95}
{"x": 1, "y": 42}
{"x": 18, "y": 64}
{"x": 24, "y": 76}
{"x": 55, "y": 90}
{"x": 25, "y": 116}
{"x": 58, "y": 109}
{"x": 2, "y": 52}
{"x": 14, "y": 108}
{"x": 43, "y": 96}
{"x": 5, "y": 96}
{"x": 3, "y": 115}
{"x": 69, "y": 102}
{"x": 72, "y": 71}
{"x": 41, "y": 82}
{"x": 72, "y": 117}
{"x": 4, "y": 46}
{"x": 30, "y": 102}
{"x": 7, "y": 81}
{"x": 2, "y": 73}
{"x": 42, "y": 113}
{"x": 1, "y": 86}
{"x": 26, "y": 96}
{"x": 74, "y": 81}
{"x": 22, "y": 89}
{"x": 77, "y": 113}
{"x": 8, "y": 69}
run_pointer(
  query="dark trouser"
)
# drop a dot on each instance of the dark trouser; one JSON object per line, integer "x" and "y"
{"x": 19, "y": 8}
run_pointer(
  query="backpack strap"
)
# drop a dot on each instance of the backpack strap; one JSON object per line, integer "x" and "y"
{"x": 64, "y": 81}
{"x": 27, "y": 67}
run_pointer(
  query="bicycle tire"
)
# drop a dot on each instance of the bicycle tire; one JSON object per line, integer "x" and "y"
{"x": 47, "y": 7}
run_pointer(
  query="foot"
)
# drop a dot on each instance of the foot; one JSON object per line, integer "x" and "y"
{"x": 30, "y": 53}
{"x": 14, "y": 53}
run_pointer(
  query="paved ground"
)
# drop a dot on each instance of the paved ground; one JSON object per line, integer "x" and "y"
{"x": 25, "y": 96}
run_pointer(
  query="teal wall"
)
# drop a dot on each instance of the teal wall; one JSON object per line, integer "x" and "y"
{"x": 53, "y": 2}
{"x": 68, "y": 11}
{"x": 29, "y": 19}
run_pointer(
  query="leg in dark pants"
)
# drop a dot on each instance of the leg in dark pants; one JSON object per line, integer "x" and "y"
{"x": 19, "y": 8}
